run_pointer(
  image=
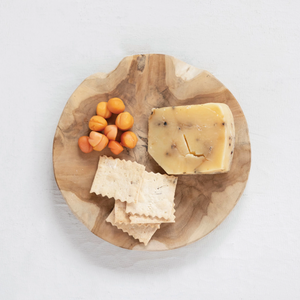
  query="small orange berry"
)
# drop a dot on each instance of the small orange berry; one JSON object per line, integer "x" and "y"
{"x": 115, "y": 147}
{"x": 98, "y": 140}
{"x": 103, "y": 111}
{"x": 97, "y": 123}
{"x": 84, "y": 145}
{"x": 95, "y": 138}
{"x": 102, "y": 144}
{"x": 128, "y": 139}
{"x": 111, "y": 132}
{"x": 124, "y": 121}
{"x": 115, "y": 105}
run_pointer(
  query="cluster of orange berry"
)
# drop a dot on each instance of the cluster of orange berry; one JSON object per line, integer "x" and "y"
{"x": 98, "y": 141}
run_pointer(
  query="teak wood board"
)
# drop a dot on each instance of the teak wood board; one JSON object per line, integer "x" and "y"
{"x": 144, "y": 82}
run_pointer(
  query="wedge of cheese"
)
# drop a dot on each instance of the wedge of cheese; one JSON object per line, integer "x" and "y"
{"x": 192, "y": 139}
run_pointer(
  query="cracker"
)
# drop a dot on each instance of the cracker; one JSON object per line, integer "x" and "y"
{"x": 143, "y": 233}
{"x": 122, "y": 217}
{"x": 119, "y": 179}
{"x": 120, "y": 214}
{"x": 156, "y": 197}
{"x": 138, "y": 219}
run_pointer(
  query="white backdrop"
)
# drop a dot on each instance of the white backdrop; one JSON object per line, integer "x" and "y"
{"x": 48, "y": 48}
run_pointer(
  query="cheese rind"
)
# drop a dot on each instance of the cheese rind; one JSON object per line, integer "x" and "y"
{"x": 193, "y": 139}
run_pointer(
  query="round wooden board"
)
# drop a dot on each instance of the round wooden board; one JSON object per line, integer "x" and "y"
{"x": 143, "y": 82}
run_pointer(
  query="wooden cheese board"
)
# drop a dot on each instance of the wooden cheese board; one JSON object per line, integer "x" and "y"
{"x": 144, "y": 82}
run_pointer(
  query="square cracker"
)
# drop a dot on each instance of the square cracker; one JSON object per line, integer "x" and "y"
{"x": 119, "y": 179}
{"x": 138, "y": 219}
{"x": 122, "y": 217}
{"x": 120, "y": 213}
{"x": 156, "y": 197}
{"x": 143, "y": 233}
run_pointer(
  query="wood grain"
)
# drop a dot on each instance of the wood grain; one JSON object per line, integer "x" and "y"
{"x": 143, "y": 82}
